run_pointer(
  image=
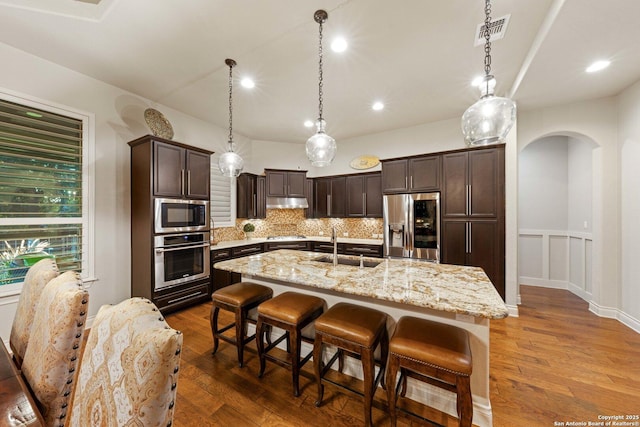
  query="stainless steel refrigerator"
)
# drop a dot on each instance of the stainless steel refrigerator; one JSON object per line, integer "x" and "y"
{"x": 412, "y": 226}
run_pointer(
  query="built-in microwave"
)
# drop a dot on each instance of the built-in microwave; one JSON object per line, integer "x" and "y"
{"x": 178, "y": 215}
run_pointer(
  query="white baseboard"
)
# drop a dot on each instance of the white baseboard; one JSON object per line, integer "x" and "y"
{"x": 513, "y": 309}
{"x": 630, "y": 321}
{"x": 543, "y": 283}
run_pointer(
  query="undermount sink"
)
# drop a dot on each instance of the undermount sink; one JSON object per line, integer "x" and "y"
{"x": 347, "y": 261}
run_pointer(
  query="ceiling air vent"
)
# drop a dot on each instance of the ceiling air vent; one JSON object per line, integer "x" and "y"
{"x": 497, "y": 28}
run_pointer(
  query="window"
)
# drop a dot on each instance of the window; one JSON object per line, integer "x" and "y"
{"x": 222, "y": 196}
{"x": 44, "y": 189}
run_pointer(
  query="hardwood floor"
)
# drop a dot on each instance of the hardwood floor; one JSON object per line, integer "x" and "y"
{"x": 557, "y": 362}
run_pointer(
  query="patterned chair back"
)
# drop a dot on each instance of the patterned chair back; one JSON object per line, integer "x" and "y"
{"x": 38, "y": 275}
{"x": 51, "y": 359}
{"x": 129, "y": 370}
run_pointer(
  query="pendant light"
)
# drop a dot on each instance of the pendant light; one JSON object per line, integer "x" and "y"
{"x": 490, "y": 119}
{"x": 321, "y": 148}
{"x": 230, "y": 163}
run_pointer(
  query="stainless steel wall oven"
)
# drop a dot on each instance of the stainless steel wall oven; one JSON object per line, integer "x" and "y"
{"x": 180, "y": 258}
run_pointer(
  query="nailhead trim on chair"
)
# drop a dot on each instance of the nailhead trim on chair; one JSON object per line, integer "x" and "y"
{"x": 429, "y": 364}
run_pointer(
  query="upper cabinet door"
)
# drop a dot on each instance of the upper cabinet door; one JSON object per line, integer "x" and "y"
{"x": 198, "y": 175}
{"x": 473, "y": 183}
{"x": 296, "y": 184}
{"x": 424, "y": 173}
{"x": 338, "y": 197}
{"x": 454, "y": 184}
{"x": 356, "y": 196}
{"x": 373, "y": 195}
{"x": 168, "y": 170}
{"x": 276, "y": 183}
{"x": 395, "y": 175}
{"x": 486, "y": 182}
{"x": 282, "y": 183}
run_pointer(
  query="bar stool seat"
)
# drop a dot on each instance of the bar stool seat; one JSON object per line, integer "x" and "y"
{"x": 357, "y": 331}
{"x": 291, "y": 312}
{"x": 432, "y": 352}
{"x": 241, "y": 299}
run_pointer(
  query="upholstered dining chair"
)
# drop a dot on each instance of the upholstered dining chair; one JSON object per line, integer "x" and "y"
{"x": 51, "y": 359}
{"x": 37, "y": 277}
{"x": 129, "y": 370}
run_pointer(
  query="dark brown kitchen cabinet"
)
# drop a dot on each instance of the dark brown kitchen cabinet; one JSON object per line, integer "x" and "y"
{"x": 362, "y": 249}
{"x": 285, "y": 183}
{"x": 179, "y": 171}
{"x": 364, "y": 195}
{"x": 163, "y": 168}
{"x": 473, "y": 224}
{"x": 299, "y": 246}
{"x": 413, "y": 174}
{"x": 250, "y": 196}
{"x": 308, "y": 194}
{"x": 478, "y": 243}
{"x": 473, "y": 183}
{"x": 330, "y": 197}
{"x": 222, "y": 278}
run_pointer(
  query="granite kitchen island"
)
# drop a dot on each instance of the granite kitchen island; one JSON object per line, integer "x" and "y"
{"x": 457, "y": 295}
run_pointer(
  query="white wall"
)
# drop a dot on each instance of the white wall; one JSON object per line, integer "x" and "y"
{"x": 580, "y": 188}
{"x": 543, "y": 184}
{"x": 118, "y": 119}
{"x": 629, "y": 176}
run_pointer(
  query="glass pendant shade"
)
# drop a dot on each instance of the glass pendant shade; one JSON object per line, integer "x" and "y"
{"x": 230, "y": 164}
{"x": 321, "y": 148}
{"x": 488, "y": 121}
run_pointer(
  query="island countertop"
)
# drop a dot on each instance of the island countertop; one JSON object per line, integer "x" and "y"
{"x": 443, "y": 287}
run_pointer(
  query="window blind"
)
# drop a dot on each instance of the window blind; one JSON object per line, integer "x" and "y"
{"x": 221, "y": 196}
{"x": 40, "y": 190}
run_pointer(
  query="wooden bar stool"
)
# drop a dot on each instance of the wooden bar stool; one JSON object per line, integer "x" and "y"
{"x": 433, "y": 352}
{"x": 292, "y": 312}
{"x": 357, "y": 331}
{"x": 239, "y": 298}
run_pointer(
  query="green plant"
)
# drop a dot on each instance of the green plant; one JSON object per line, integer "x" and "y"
{"x": 248, "y": 228}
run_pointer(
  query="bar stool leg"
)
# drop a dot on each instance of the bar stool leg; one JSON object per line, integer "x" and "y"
{"x": 384, "y": 356}
{"x": 214, "y": 328}
{"x": 464, "y": 400}
{"x": 392, "y": 388}
{"x": 260, "y": 345}
{"x": 241, "y": 330}
{"x": 296, "y": 342}
{"x": 368, "y": 366}
{"x": 318, "y": 365}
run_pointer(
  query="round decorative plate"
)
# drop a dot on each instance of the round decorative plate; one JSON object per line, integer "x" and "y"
{"x": 158, "y": 123}
{"x": 364, "y": 162}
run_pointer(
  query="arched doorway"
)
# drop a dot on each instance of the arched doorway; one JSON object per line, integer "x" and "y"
{"x": 556, "y": 206}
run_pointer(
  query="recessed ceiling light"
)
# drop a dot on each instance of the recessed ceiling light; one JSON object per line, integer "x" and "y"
{"x": 248, "y": 83}
{"x": 339, "y": 44}
{"x": 377, "y": 106}
{"x": 597, "y": 66}
{"x": 308, "y": 123}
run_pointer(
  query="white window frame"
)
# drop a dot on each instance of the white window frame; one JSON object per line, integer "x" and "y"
{"x": 88, "y": 185}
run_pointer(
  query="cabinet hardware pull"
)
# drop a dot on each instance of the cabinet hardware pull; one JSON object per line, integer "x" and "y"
{"x": 470, "y": 208}
{"x": 189, "y": 182}
{"x": 329, "y": 205}
{"x": 411, "y": 181}
{"x": 182, "y": 181}
{"x": 364, "y": 204}
{"x": 242, "y": 251}
{"x": 255, "y": 205}
{"x": 195, "y": 294}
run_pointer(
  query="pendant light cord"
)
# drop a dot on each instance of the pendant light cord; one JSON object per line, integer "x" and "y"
{"x": 487, "y": 36}
{"x": 231, "y": 106}
{"x": 320, "y": 71}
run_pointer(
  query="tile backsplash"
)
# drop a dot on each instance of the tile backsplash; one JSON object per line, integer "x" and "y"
{"x": 291, "y": 222}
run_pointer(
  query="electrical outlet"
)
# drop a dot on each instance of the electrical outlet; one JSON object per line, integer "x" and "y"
{"x": 345, "y": 234}
{"x": 320, "y": 233}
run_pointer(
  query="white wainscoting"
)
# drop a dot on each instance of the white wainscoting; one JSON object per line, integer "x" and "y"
{"x": 556, "y": 259}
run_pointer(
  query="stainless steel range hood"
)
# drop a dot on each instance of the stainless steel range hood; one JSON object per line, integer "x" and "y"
{"x": 287, "y": 203}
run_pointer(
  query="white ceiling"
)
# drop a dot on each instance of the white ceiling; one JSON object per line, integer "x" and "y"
{"x": 417, "y": 56}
